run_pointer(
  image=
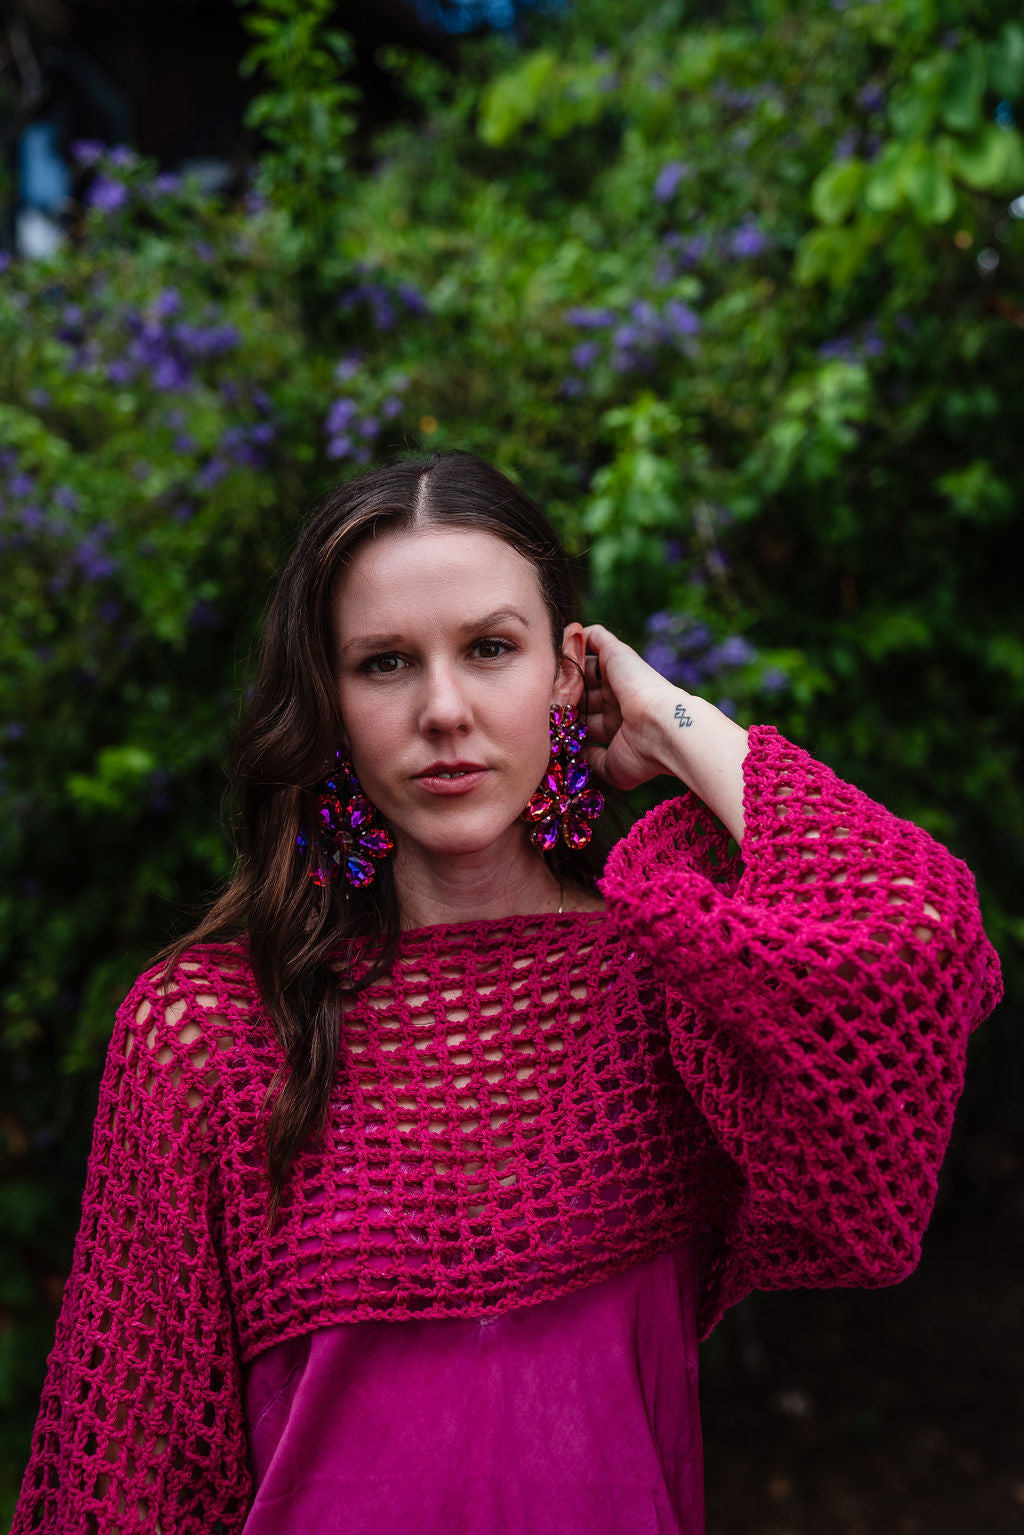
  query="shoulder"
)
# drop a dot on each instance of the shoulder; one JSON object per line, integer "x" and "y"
{"x": 179, "y": 1021}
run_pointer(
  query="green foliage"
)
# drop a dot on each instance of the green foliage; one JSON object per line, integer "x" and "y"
{"x": 304, "y": 115}
{"x": 740, "y": 298}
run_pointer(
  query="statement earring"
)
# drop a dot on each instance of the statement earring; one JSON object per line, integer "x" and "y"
{"x": 349, "y": 835}
{"x": 566, "y": 801}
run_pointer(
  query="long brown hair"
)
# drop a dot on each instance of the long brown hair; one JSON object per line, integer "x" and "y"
{"x": 298, "y": 933}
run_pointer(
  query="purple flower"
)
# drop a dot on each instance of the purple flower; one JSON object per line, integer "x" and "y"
{"x": 170, "y": 374}
{"x": 391, "y": 408}
{"x": 871, "y": 98}
{"x": 121, "y": 156}
{"x": 681, "y": 318}
{"x": 184, "y": 442}
{"x": 339, "y": 447}
{"x": 369, "y": 428}
{"x": 40, "y": 398}
{"x": 255, "y": 203}
{"x": 183, "y": 512}
{"x": 107, "y": 195}
{"x": 412, "y": 298}
{"x": 167, "y": 303}
{"x": 120, "y": 371}
{"x": 841, "y": 348}
{"x": 748, "y": 241}
{"x": 5, "y": 260}
{"x": 591, "y": 319}
{"x": 733, "y": 651}
{"x": 728, "y": 707}
{"x": 661, "y": 656}
{"x": 204, "y": 616}
{"x": 774, "y": 680}
{"x": 164, "y": 185}
{"x": 109, "y": 612}
{"x": 585, "y": 354}
{"x": 22, "y": 484}
{"x": 65, "y": 498}
{"x": 211, "y": 473}
{"x": 341, "y": 415}
{"x": 86, "y": 152}
{"x": 570, "y": 388}
{"x": 694, "y": 249}
{"x": 347, "y": 368}
{"x": 846, "y": 145}
{"x": 668, "y": 179}
{"x": 90, "y": 560}
{"x": 206, "y": 340}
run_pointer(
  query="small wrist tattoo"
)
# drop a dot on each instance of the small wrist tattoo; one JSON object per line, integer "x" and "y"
{"x": 683, "y": 716}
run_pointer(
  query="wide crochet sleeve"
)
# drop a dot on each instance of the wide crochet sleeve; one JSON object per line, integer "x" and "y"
{"x": 140, "y": 1431}
{"x": 819, "y": 1005}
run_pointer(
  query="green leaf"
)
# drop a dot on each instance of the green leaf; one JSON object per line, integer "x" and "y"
{"x": 118, "y": 774}
{"x": 992, "y": 162}
{"x": 884, "y": 189}
{"x": 1006, "y": 62}
{"x": 965, "y": 89}
{"x": 836, "y": 190}
{"x": 512, "y": 100}
{"x": 929, "y": 187}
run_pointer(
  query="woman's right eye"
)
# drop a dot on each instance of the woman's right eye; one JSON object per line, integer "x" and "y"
{"x": 383, "y": 664}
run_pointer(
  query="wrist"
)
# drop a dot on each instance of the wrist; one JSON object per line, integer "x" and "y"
{"x": 702, "y": 747}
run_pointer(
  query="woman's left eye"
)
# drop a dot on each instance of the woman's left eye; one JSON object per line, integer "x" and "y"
{"x": 489, "y": 650}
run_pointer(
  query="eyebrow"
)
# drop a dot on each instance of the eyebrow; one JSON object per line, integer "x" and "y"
{"x": 471, "y": 626}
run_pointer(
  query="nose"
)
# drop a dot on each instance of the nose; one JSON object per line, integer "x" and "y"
{"x": 445, "y": 708}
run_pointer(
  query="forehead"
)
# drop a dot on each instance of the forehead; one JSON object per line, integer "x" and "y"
{"x": 433, "y": 572}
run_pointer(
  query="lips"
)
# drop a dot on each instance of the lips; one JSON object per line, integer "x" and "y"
{"x": 451, "y": 769}
{"x": 448, "y": 778}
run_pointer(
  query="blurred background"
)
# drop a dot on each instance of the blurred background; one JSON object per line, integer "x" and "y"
{"x": 737, "y": 290}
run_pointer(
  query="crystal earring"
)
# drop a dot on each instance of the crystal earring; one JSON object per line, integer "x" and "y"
{"x": 566, "y": 801}
{"x": 348, "y": 834}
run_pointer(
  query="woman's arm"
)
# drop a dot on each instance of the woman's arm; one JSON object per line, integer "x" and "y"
{"x": 639, "y": 725}
{"x": 140, "y": 1428}
{"x": 819, "y": 1003}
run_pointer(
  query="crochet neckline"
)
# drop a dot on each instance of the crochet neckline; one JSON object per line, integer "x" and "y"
{"x": 494, "y": 925}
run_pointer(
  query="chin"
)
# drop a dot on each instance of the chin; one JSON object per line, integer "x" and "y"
{"x": 459, "y": 836}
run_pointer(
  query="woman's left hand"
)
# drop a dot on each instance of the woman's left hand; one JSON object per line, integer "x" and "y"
{"x": 639, "y": 725}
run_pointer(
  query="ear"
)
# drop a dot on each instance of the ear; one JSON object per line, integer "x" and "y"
{"x": 568, "y": 688}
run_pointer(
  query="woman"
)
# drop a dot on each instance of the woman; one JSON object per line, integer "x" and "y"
{"x": 422, "y": 1163}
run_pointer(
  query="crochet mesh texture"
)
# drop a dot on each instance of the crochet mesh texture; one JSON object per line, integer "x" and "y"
{"x": 767, "y": 1058}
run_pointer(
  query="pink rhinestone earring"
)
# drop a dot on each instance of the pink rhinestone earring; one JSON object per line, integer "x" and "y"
{"x": 349, "y": 836}
{"x": 566, "y": 801}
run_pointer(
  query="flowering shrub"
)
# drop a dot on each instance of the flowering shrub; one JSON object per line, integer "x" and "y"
{"x": 741, "y": 301}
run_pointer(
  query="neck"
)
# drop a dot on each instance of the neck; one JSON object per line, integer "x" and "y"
{"x": 473, "y": 887}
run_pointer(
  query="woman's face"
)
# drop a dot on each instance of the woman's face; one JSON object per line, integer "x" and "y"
{"x": 446, "y": 674}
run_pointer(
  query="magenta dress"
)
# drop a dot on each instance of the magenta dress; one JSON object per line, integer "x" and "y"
{"x": 578, "y": 1416}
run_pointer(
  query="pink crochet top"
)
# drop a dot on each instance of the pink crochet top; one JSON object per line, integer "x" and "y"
{"x": 763, "y": 1058}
